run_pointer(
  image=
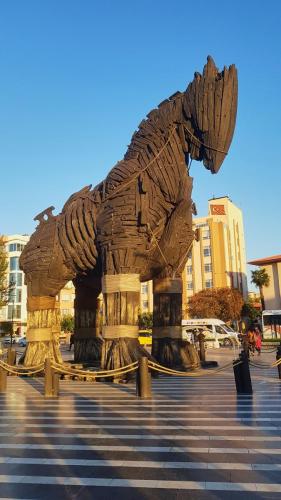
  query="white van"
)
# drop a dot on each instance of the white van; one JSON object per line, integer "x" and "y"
{"x": 212, "y": 328}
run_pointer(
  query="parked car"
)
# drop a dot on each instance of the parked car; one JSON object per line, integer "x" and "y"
{"x": 145, "y": 337}
{"x": 22, "y": 342}
{"x": 212, "y": 328}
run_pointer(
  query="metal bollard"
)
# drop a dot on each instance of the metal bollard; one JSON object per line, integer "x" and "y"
{"x": 242, "y": 375}
{"x": 3, "y": 380}
{"x": 202, "y": 352}
{"x": 143, "y": 379}
{"x": 278, "y": 356}
{"x": 11, "y": 356}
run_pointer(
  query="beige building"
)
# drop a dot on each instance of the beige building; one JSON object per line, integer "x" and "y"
{"x": 15, "y": 311}
{"x": 66, "y": 298}
{"x": 272, "y": 293}
{"x": 218, "y": 257}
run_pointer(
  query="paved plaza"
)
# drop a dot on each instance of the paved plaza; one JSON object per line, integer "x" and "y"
{"x": 194, "y": 439}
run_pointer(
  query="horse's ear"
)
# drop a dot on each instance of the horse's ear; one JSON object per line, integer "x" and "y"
{"x": 210, "y": 70}
{"x": 211, "y": 100}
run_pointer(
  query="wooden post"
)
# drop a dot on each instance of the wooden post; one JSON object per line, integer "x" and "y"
{"x": 3, "y": 380}
{"x": 143, "y": 379}
{"x": 43, "y": 330}
{"x": 168, "y": 347}
{"x": 11, "y": 356}
{"x": 278, "y": 357}
{"x": 121, "y": 295}
{"x": 87, "y": 329}
{"x": 48, "y": 379}
{"x": 55, "y": 384}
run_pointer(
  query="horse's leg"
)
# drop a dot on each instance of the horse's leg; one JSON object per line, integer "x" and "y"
{"x": 121, "y": 294}
{"x": 87, "y": 329}
{"x": 43, "y": 330}
{"x": 168, "y": 348}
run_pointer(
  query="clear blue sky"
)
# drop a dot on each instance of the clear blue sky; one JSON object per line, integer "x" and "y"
{"x": 77, "y": 77}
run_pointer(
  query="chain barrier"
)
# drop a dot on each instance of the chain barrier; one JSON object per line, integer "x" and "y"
{"x": 76, "y": 372}
{"x": 168, "y": 371}
{"x": 21, "y": 370}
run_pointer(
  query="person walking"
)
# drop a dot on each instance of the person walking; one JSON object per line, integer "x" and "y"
{"x": 258, "y": 341}
{"x": 251, "y": 340}
{"x": 71, "y": 342}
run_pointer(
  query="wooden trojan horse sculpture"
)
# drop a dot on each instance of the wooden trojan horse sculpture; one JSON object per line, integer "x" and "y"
{"x": 134, "y": 226}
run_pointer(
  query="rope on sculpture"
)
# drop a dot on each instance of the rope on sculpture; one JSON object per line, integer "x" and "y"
{"x": 169, "y": 371}
{"x": 157, "y": 244}
{"x": 203, "y": 144}
{"x": 125, "y": 184}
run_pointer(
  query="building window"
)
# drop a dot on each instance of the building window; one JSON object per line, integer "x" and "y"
{"x": 207, "y": 251}
{"x": 206, "y": 235}
{"x": 189, "y": 269}
{"x": 209, "y": 283}
{"x": 15, "y": 247}
{"x": 18, "y": 295}
{"x": 66, "y": 297}
{"x": 144, "y": 289}
{"x": 14, "y": 312}
{"x": 66, "y": 312}
{"x": 208, "y": 268}
{"x": 14, "y": 263}
{"x": 15, "y": 279}
{"x": 190, "y": 286}
{"x": 145, "y": 304}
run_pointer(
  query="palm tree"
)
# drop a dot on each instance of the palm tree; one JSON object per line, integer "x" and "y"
{"x": 260, "y": 278}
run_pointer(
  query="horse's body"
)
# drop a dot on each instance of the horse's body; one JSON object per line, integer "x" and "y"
{"x": 138, "y": 221}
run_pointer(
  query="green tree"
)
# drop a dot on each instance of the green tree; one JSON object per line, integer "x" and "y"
{"x": 4, "y": 286}
{"x": 145, "y": 321}
{"x": 222, "y": 303}
{"x": 67, "y": 323}
{"x": 260, "y": 279}
{"x": 249, "y": 311}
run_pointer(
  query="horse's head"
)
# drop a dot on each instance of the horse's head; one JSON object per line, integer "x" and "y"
{"x": 42, "y": 259}
{"x": 210, "y": 105}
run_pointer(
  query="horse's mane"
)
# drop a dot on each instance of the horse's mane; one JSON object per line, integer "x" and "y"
{"x": 157, "y": 123}
{"x": 146, "y": 141}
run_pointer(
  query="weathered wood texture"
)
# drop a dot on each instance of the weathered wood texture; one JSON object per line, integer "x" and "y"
{"x": 168, "y": 348}
{"x": 43, "y": 329}
{"x": 139, "y": 219}
{"x": 121, "y": 352}
{"x": 87, "y": 327}
{"x": 175, "y": 353}
{"x": 121, "y": 346}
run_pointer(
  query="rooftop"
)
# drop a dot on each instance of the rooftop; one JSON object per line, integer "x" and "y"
{"x": 266, "y": 260}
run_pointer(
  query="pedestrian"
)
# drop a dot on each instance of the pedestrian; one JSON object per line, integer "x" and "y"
{"x": 251, "y": 336}
{"x": 71, "y": 342}
{"x": 257, "y": 341}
